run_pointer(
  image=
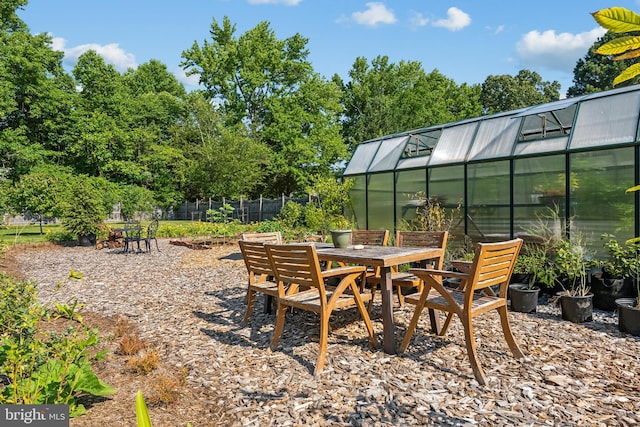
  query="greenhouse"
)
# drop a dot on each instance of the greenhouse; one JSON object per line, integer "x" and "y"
{"x": 574, "y": 156}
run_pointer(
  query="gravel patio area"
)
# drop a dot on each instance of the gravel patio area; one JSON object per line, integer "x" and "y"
{"x": 189, "y": 303}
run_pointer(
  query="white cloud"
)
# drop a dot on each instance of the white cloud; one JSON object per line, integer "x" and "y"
{"x": 112, "y": 53}
{"x": 418, "y": 20}
{"x": 377, "y": 13}
{"x": 285, "y": 2}
{"x": 192, "y": 80}
{"x": 555, "y": 51}
{"x": 456, "y": 20}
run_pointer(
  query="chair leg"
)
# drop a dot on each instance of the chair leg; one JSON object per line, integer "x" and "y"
{"x": 400, "y": 296}
{"x": 364, "y": 313}
{"x": 508, "y": 335}
{"x": 324, "y": 338}
{"x": 251, "y": 296}
{"x": 374, "y": 286}
{"x": 414, "y": 321}
{"x": 280, "y": 315}
{"x": 470, "y": 342}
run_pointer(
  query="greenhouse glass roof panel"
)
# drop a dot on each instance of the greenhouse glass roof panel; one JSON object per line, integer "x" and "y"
{"x": 361, "y": 158}
{"x": 607, "y": 120}
{"x": 388, "y": 154}
{"x": 495, "y": 138}
{"x": 453, "y": 145}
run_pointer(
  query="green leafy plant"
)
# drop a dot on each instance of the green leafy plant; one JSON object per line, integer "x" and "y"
{"x": 430, "y": 215}
{"x": 533, "y": 263}
{"x": 572, "y": 262}
{"x": 68, "y": 310}
{"x": 620, "y": 20}
{"x": 42, "y": 366}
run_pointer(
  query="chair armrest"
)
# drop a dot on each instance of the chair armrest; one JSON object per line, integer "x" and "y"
{"x": 464, "y": 266}
{"x": 341, "y": 271}
{"x": 443, "y": 273}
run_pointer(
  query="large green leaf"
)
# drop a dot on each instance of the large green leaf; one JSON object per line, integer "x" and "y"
{"x": 618, "y": 19}
{"x": 619, "y": 45}
{"x": 142, "y": 415}
{"x": 627, "y": 74}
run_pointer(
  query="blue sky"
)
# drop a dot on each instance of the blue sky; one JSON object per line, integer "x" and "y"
{"x": 466, "y": 40}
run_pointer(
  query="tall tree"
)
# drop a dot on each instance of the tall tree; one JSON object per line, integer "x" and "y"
{"x": 303, "y": 129}
{"x": 595, "y": 73}
{"x": 268, "y": 86}
{"x": 384, "y": 98}
{"x": 243, "y": 73}
{"x": 36, "y": 97}
{"x": 505, "y": 92}
{"x": 221, "y": 160}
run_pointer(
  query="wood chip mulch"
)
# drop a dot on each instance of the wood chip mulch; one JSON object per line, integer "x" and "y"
{"x": 188, "y": 304}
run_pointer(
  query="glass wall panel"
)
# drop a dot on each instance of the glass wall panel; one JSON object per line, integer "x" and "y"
{"x": 380, "y": 191}
{"x": 607, "y": 120}
{"x": 446, "y": 184}
{"x": 488, "y": 201}
{"x": 356, "y": 210}
{"x": 408, "y": 184}
{"x": 598, "y": 200}
{"x": 539, "y": 185}
{"x": 362, "y": 158}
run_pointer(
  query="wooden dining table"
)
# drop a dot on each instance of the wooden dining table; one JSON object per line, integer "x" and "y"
{"x": 384, "y": 257}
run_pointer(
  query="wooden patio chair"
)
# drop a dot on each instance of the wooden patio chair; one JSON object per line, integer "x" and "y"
{"x": 400, "y": 280}
{"x": 298, "y": 266}
{"x": 370, "y": 237}
{"x": 265, "y": 237}
{"x": 492, "y": 265}
{"x": 261, "y": 276}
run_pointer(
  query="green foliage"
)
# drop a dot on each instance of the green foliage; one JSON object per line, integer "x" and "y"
{"x": 84, "y": 210}
{"x": 135, "y": 200}
{"x": 291, "y": 215}
{"x": 221, "y": 215}
{"x": 620, "y": 20}
{"x": 533, "y": 261}
{"x": 326, "y": 212}
{"x": 430, "y": 215}
{"x": 384, "y": 98}
{"x": 41, "y": 366}
{"x": 505, "y": 92}
{"x": 142, "y": 414}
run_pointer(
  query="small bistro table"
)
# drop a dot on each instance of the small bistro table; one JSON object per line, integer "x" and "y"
{"x": 384, "y": 257}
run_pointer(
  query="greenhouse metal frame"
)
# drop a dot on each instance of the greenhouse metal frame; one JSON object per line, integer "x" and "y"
{"x": 575, "y": 156}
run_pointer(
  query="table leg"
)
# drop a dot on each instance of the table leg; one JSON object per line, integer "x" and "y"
{"x": 389, "y": 329}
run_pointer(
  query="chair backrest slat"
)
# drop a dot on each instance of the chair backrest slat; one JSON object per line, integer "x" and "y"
{"x": 267, "y": 237}
{"x": 493, "y": 264}
{"x": 370, "y": 237}
{"x": 296, "y": 265}
{"x": 431, "y": 239}
{"x": 255, "y": 258}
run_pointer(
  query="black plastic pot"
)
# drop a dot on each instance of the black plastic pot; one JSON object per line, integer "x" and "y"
{"x": 576, "y": 309}
{"x": 628, "y": 316}
{"x": 523, "y": 299}
{"x": 607, "y": 290}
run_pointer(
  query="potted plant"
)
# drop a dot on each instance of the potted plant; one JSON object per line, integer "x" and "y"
{"x": 629, "y": 308}
{"x": 340, "y": 231}
{"x": 524, "y": 292}
{"x": 614, "y": 277}
{"x": 572, "y": 262}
